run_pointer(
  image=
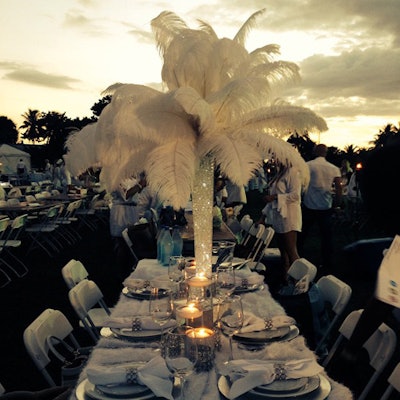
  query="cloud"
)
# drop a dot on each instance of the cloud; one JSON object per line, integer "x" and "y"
{"x": 38, "y": 78}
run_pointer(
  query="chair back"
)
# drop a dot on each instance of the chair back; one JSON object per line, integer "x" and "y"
{"x": 4, "y": 222}
{"x": 49, "y": 323}
{"x": 302, "y": 267}
{"x": 336, "y": 294}
{"x": 394, "y": 383}
{"x": 84, "y": 297}
{"x": 13, "y": 201}
{"x": 30, "y": 198}
{"x": 73, "y": 272}
{"x": 129, "y": 243}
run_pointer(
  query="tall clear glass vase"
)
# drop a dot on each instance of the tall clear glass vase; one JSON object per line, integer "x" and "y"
{"x": 202, "y": 203}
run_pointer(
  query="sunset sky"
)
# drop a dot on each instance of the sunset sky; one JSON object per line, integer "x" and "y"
{"x": 59, "y": 55}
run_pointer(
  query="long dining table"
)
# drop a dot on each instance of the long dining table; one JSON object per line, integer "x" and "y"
{"x": 113, "y": 351}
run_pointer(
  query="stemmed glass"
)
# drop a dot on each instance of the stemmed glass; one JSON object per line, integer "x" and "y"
{"x": 176, "y": 269}
{"x": 160, "y": 307}
{"x": 231, "y": 319}
{"x": 181, "y": 355}
{"x": 225, "y": 281}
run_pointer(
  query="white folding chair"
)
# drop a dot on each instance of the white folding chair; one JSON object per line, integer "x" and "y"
{"x": 266, "y": 238}
{"x": 49, "y": 323}
{"x": 380, "y": 347}
{"x": 394, "y": 383}
{"x": 246, "y": 223}
{"x": 129, "y": 243}
{"x": 87, "y": 300}
{"x": 302, "y": 267}
{"x": 336, "y": 294}
{"x": 73, "y": 272}
{"x": 12, "y": 241}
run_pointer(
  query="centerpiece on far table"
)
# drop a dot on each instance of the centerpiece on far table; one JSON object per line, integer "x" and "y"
{"x": 220, "y": 108}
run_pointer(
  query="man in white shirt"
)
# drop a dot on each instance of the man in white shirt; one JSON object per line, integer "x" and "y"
{"x": 322, "y": 196}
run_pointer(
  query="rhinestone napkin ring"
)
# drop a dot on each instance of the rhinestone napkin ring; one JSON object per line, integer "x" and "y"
{"x": 280, "y": 372}
{"x": 131, "y": 374}
{"x": 268, "y": 324}
{"x": 136, "y": 325}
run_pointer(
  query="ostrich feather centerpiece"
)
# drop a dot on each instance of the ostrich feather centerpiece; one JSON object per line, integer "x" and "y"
{"x": 221, "y": 108}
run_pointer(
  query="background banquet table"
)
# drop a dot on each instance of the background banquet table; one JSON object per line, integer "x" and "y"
{"x": 112, "y": 350}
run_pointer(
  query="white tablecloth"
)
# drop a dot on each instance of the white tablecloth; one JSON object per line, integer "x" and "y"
{"x": 204, "y": 385}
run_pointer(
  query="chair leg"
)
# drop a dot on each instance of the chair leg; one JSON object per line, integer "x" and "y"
{"x": 4, "y": 282}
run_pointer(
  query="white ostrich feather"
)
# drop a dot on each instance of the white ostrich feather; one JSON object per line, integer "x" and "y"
{"x": 241, "y": 35}
{"x": 171, "y": 170}
{"x": 81, "y": 153}
{"x": 221, "y": 101}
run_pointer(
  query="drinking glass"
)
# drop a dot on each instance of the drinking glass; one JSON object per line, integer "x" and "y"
{"x": 160, "y": 307}
{"x": 231, "y": 319}
{"x": 180, "y": 356}
{"x": 176, "y": 269}
{"x": 225, "y": 283}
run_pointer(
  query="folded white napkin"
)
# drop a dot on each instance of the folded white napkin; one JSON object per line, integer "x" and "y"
{"x": 141, "y": 323}
{"x": 248, "y": 277}
{"x": 252, "y": 323}
{"x": 134, "y": 283}
{"x": 154, "y": 374}
{"x": 247, "y": 374}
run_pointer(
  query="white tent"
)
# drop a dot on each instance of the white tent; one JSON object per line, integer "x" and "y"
{"x": 9, "y": 158}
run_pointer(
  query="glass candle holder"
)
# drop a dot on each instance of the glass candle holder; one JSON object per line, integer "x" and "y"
{"x": 205, "y": 342}
{"x": 200, "y": 292}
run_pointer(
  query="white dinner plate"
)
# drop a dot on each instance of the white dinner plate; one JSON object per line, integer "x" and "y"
{"x": 268, "y": 335}
{"x": 145, "y": 334}
{"x": 286, "y": 385}
{"x": 87, "y": 390}
{"x": 312, "y": 383}
{"x": 248, "y": 288}
{"x": 142, "y": 294}
{"x": 320, "y": 392}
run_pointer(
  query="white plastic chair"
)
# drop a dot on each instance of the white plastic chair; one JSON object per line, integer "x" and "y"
{"x": 129, "y": 243}
{"x": 336, "y": 294}
{"x": 380, "y": 347}
{"x": 302, "y": 267}
{"x": 10, "y": 241}
{"x": 49, "y": 323}
{"x": 394, "y": 383}
{"x": 87, "y": 300}
{"x": 73, "y": 272}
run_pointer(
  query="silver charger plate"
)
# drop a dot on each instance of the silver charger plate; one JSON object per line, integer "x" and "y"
{"x": 321, "y": 392}
{"x": 268, "y": 336}
{"x": 87, "y": 390}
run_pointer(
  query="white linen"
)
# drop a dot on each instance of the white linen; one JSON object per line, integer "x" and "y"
{"x": 253, "y": 323}
{"x": 247, "y": 374}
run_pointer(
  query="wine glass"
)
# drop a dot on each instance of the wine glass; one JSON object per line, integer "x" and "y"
{"x": 176, "y": 269}
{"x": 160, "y": 306}
{"x": 231, "y": 319}
{"x": 181, "y": 355}
{"x": 225, "y": 282}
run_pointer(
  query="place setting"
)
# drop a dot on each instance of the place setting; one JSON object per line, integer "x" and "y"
{"x": 257, "y": 332}
{"x": 277, "y": 379}
{"x": 141, "y": 289}
{"x": 138, "y": 380}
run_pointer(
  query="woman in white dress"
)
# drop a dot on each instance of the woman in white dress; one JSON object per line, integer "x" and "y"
{"x": 283, "y": 211}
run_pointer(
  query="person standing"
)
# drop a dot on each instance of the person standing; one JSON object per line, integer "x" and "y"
{"x": 21, "y": 168}
{"x": 283, "y": 212}
{"x": 323, "y": 194}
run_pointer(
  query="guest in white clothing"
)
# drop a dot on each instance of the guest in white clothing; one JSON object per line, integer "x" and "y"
{"x": 283, "y": 212}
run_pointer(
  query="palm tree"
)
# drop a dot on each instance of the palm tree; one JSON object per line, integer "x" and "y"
{"x": 32, "y": 125}
{"x": 221, "y": 108}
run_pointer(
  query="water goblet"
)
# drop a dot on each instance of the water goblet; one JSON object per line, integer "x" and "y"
{"x": 180, "y": 355}
{"x": 160, "y": 307}
{"x": 225, "y": 281}
{"x": 231, "y": 319}
{"x": 176, "y": 269}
